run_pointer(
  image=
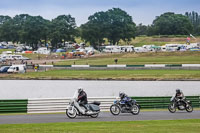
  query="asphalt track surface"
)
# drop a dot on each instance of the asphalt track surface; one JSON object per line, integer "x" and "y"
{"x": 103, "y": 116}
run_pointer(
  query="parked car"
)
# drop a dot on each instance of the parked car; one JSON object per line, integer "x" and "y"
{"x": 4, "y": 69}
{"x": 17, "y": 69}
{"x": 2, "y": 60}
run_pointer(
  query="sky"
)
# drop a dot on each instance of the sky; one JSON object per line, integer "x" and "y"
{"x": 142, "y": 11}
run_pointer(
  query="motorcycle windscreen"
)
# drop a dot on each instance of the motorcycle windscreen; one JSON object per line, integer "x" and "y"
{"x": 75, "y": 94}
{"x": 94, "y": 107}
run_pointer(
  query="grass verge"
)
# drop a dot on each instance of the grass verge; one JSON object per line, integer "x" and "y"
{"x": 138, "y": 58}
{"x": 156, "y": 126}
{"x": 109, "y": 75}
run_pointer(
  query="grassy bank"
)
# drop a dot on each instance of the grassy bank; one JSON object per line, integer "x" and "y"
{"x": 138, "y": 58}
{"x": 166, "y": 126}
{"x": 156, "y": 40}
{"x": 109, "y": 75}
{"x": 160, "y": 40}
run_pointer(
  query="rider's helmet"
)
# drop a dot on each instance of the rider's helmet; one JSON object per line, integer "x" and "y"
{"x": 80, "y": 89}
{"x": 122, "y": 95}
{"x": 178, "y": 91}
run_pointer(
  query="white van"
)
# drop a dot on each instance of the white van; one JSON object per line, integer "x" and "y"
{"x": 17, "y": 69}
{"x": 112, "y": 49}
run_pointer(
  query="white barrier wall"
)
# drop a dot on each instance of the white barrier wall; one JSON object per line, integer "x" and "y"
{"x": 56, "y": 105}
{"x": 79, "y": 66}
{"x": 154, "y": 65}
{"x": 117, "y": 66}
{"x": 190, "y": 65}
{"x": 24, "y": 89}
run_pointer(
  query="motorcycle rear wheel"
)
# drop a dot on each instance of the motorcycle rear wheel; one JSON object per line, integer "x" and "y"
{"x": 115, "y": 109}
{"x": 71, "y": 115}
{"x": 95, "y": 116}
{"x": 171, "y": 108}
{"x": 189, "y": 108}
{"x": 135, "y": 110}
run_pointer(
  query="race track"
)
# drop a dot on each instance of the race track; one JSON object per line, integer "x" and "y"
{"x": 104, "y": 116}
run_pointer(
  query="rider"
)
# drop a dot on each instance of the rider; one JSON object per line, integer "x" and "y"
{"x": 125, "y": 99}
{"x": 179, "y": 96}
{"x": 82, "y": 97}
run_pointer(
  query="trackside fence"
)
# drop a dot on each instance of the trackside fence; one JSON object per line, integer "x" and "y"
{"x": 54, "y": 105}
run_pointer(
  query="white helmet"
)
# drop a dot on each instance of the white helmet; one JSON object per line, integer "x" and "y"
{"x": 80, "y": 89}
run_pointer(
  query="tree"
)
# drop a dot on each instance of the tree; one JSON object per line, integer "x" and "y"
{"x": 120, "y": 26}
{"x": 4, "y": 19}
{"x": 172, "y": 24}
{"x": 5, "y": 24}
{"x": 94, "y": 31}
{"x": 63, "y": 28}
{"x": 35, "y": 30}
{"x": 114, "y": 24}
{"x": 194, "y": 18}
{"x": 141, "y": 29}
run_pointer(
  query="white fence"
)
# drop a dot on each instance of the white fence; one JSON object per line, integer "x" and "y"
{"x": 55, "y": 105}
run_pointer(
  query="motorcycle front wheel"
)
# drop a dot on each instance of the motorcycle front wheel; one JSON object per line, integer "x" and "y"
{"x": 189, "y": 108}
{"x": 135, "y": 110}
{"x": 171, "y": 108}
{"x": 115, "y": 109}
{"x": 71, "y": 113}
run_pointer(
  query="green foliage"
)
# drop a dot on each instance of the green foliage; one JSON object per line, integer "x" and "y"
{"x": 63, "y": 28}
{"x": 34, "y": 30}
{"x": 172, "y": 24}
{"x": 141, "y": 30}
{"x": 194, "y": 18}
{"x": 114, "y": 24}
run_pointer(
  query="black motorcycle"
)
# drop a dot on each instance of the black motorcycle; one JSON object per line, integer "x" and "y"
{"x": 120, "y": 106}
{"x": 180, "y": 105}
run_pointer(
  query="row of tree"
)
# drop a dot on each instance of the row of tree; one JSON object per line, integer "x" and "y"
{"x": 114, "y": 25}
{"x": 194, "y": 18}
{"x": 34, "y": 30}
{"x": 172, "y": 24}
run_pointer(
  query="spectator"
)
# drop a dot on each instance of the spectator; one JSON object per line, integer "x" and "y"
{"x": 116, "y": 60}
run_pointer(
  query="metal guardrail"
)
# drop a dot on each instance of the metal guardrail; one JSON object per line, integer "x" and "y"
{"x": 130, "y": 66}
{"x": 118, "y": 66}
{"x": 55, "y": 105}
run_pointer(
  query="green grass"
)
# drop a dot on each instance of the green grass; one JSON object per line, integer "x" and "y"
{"x": 110, "y": 74}
{"x": 138, "y": 58}
{"x": 2, "y": 50}
{"x": 156, "y": 126}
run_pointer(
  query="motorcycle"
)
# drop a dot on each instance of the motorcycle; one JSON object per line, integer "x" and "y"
{"x": 75, "y": 108}
{"x": 120, "y": 106}
{"x": 180, "y": 105}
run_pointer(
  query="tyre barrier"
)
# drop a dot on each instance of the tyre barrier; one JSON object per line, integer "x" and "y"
{"x": 13, "y": 106}
{"x": 162, "y": 102}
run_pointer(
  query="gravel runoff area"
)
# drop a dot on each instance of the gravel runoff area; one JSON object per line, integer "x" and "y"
{"x": 104, "y": 116}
